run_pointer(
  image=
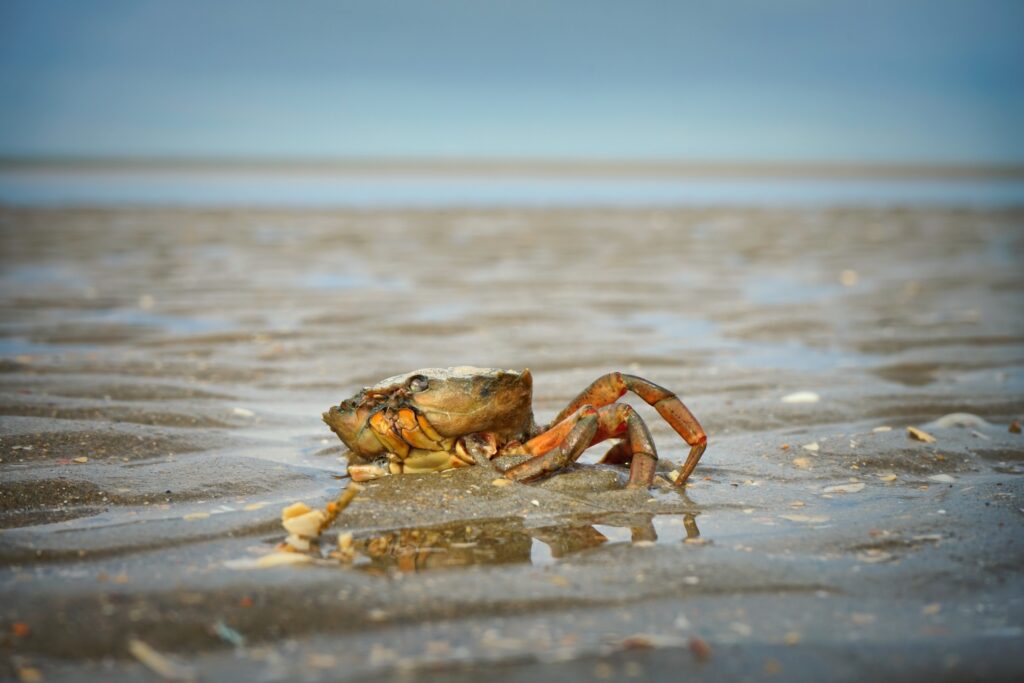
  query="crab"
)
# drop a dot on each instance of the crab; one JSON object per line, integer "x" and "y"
{"x": 441, "y": 418}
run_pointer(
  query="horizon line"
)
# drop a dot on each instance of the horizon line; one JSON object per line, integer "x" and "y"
{"x": 514, "y": 166}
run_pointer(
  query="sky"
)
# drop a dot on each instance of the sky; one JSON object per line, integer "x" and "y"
{"x": 922, "y": 81}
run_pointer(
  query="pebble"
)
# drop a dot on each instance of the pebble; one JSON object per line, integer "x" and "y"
{"x": 501, "y": 481}
{"x": 159, "y": 663}
{"x": 812, "y": 447}
{"x": 802, "y": 463}
{"x": 919, "y": 435}
{"x": 801, "y": 397}
{"x": 942, "y": 478}
{"x": 81, "y": 460}
{"x": 844, "y": 488}
{"x": 243, "y": 412}
{"x": 883, "y": 428}
{"x": 809, "y": 519}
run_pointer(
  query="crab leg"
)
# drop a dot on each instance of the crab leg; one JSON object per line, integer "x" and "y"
{"x": 566, "y": 441}
{"x": 569, "y": 448}
{"x": 609, "y": 388}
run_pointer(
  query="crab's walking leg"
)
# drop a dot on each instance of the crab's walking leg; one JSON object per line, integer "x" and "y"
{"x": 581, "y": 432}
{"x": 609, "y": 388}
{"x": 566, "y": 441}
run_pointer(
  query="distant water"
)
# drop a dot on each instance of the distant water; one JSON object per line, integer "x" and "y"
{"x": 172, "y": 186}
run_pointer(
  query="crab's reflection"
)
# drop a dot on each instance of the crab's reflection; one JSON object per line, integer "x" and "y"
{"x": 504, "y": 541}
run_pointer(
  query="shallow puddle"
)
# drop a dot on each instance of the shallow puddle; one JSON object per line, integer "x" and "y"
{"x": 506, "y": 541}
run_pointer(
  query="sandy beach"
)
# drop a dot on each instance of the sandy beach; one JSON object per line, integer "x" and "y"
{"x": 164, "y": 372}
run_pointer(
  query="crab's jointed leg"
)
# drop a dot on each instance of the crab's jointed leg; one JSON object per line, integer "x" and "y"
{"x": 609, "y": 388}
{"x": 564, "y": 446}
{"x": 566, "y": 441}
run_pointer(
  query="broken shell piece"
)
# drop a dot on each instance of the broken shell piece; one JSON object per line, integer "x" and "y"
{"x": 279, "y": 559}
{"x": 812, "y": 447}
{"x": 346, "y": 547}
{"x": 844, "y": 488}
{"x": 297, "y": 543}
{"x": 307, "y": 524}
{"x": 920, "y": 435}
{"x": 801, "y": 397}
{"x": 294, "y": 510}
{"x": 809, "y": 519}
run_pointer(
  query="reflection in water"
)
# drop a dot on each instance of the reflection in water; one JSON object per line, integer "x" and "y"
{"x": 503, "y": 541}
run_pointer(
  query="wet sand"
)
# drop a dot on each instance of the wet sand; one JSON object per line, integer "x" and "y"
{"x": 187, "y": 356}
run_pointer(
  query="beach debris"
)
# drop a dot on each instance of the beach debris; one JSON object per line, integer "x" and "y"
{"x": 873, "y": 556}
{"x": 29, "y": 674}
{"x": 21, "y": 448}
{"x": 20, "y": 629}
{"x": 304, "y": 524}
{"x": 741, "y": 628}
{"x": 806, "y": 519}
{"x": 802, "y": 463}
{"x": 700, "y": 649}
{"x": 276, "y": 559}
{"x": 243, "y": 412}
{"x": 318, "y": 660}
{"x": 963, "y": 420}
{"x": 346, "y": 547}
{"x": 193, "y": 516}
{"x": 881, "y": 429}
{"x": 813, "y": 447}
{"x": 160, "y": 664}
{"x": 853, "y": 487}
{"x": 848, "y": 278}
{"x": 919, "y": 435}
{"x": 942, "y": 478}
{"x": 81, "y": 460}
{"x": 887, "y": 476}
{"x": 1015, "y": 427}
{"x": 228, "y": 634}
{"x": 801, "y": 397}
{"x": 501, "y": 481}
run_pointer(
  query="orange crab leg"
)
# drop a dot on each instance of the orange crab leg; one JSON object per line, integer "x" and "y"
{"x": 609, "y": 388}
{"x": 564, "y": 443}
{"x": 579, "y": 438}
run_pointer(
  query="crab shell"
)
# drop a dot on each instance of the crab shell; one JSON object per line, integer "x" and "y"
{"x": 454, "y": 402}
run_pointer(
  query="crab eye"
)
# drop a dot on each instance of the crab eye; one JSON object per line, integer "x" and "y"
{"x": 417, "y": 383}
